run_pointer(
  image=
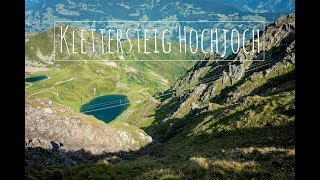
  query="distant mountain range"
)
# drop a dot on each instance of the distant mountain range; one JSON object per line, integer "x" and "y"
{"x": 261, "y": 6}
{"x": 41, "y": 14}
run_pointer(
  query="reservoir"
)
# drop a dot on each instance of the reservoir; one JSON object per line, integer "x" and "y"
{"x": 107, "y": 107}
{"x": 35, "y": 79}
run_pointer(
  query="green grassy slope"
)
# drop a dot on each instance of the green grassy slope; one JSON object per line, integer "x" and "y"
{"x": 75, "y": 83}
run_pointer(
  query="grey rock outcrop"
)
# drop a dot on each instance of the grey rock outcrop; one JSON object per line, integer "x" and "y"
{"x": 76, "y": 131}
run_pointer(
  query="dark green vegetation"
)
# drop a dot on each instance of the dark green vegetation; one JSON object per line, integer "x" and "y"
{"x": 35, "y": 79}
{"x": 220, "y": 120}
{"x": 107, "y": 107}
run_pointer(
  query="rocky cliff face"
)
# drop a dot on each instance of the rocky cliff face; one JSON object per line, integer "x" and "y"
{"x": 54, "y": 127}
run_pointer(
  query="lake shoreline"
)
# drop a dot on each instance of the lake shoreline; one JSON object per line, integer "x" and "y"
{"x": 106, "y": 107}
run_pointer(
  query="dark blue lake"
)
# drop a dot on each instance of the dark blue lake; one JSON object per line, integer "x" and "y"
{"x": 107, "y": 107}
{"x": 35, "y": 79}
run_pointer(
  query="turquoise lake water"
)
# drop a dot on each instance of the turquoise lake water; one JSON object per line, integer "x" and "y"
{"x": 35, "y": 79}
{"x": 107, "y": 107}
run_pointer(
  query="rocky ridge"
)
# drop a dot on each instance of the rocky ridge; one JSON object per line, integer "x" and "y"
{"x": 205, "y": 84}
{"x": 51, "y": 126}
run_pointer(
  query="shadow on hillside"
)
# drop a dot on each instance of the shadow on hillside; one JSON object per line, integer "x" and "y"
{"x": 223, "y": 149}
{"x": 268, "y": 136}
{"x": 285, "y": 82}
{"x": 64, "y": 157}
{"x": 272, "y": 56}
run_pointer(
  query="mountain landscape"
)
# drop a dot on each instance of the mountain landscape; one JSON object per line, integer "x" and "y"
{"x": 40, "y": 14}
{"x": 261, "y": 6}
{"x": 183, "y": 119}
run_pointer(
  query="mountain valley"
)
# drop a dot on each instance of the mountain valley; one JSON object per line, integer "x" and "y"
{"x": 190, "y": 120}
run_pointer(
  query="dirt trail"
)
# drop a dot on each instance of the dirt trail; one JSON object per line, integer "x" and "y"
{"x": 60, "y": 82}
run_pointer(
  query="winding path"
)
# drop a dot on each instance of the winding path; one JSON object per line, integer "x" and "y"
{"x": 60, "y": 82}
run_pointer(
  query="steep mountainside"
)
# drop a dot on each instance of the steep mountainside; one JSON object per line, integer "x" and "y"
{"x": 211, "y": 83}
{"x": 220, "y": 110}
{"x": 221, "y": 120}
